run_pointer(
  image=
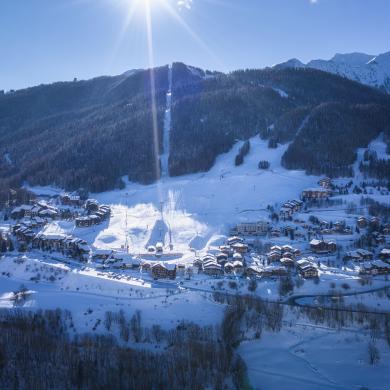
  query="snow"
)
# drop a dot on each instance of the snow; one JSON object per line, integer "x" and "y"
{"x": 379, "y": 146}
{"x": 314, "y": 357}
{"x": 164, "y": 158}
{"x": 194, "y": 210}
{"x": 82, "y": 290}
{"x": 282, "y": 93}
{"x": 7, "y": 159}
{"x": 367, "y": 69}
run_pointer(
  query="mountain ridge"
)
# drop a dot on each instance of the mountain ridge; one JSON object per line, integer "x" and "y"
{"x": 91, "y": 133}
{"x": 372, "y": 70}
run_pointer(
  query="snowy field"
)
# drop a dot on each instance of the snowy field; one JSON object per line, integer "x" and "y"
{"x": 308, "y": 357}
{"x": 89, "y": 295}
{"x": 193, "y": 211}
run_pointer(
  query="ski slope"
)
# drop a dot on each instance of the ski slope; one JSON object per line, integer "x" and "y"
{"x": 197, "y": 210}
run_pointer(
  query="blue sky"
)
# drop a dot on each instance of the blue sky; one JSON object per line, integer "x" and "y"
{"x": 48, "y": 40}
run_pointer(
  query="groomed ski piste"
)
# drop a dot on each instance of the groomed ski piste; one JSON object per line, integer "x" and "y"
{"x": 195, "y": 213}
{"x": 198, "y": 209}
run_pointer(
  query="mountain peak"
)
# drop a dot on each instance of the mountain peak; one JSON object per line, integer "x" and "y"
{"x": 365, "y": 68}
{"x": 352, "y": 58}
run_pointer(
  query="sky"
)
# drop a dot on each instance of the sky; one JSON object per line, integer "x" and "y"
{"x": 43, "y": 41}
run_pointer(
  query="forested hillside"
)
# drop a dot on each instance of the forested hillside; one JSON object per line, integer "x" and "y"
{"x": 81, "y": 134}
{"x": 327, "y": 116}
{"x": 91, "y": 133}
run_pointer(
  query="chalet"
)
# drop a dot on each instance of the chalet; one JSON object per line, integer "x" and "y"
{"x": 274, "y": 270}
{"x": 94, "y": 219}
{"x": 315, "y": 193}
{"x": 289, "y": 208}
{"x": 362, "y": 222}
{"x": 386, "y": 229}
{"x": 274, "y": 256}
{"x": 101, "y": 255}
{"x": 71, "y": 200}
{"x": 381, "y": 266}
{"x": 286, "y": 212}
{"x": 378, "y": 238}
{"x": 91, "y": 205}
{"x": 163, "y": 271}
{"x": 254, "y": 271}
{"x": 239, "y": 247}
{"x": 126, "y": 260}
{"x": 375, "y": 222}
{"x": 229, "y": 267}
{"x": 50, "y": 241}
{"x": 23, "y": 233}
{"x": 226, "y": 249}
{"x": 234, "y": 240}
{"x": 325, "y": 182}
{"x": 259, "y": 228}
{"x": 307, "y": 268}
{"x": 221, "y": 257}
{"x": 20, "y": 211}
{"x": 76, "y": 247}
{"x": 287, "y": 262}
{"x": 198, "y": 263}
{"x": 275, "y": 233}
{"x": 359, "y": 255}
{"x": 288, "y": 255}
{"x": 48, "y": 212}
{"x": 384, "y": 254}
{"x": 367, "y": 269}
{"x": 209, "y": 258}
{"x": 238, "y": 266}
{"x": 145, "y": 266}
{"x": 212, "y": 269}
{"x": 321, "y": 246}
{"x": 83, "y": 222}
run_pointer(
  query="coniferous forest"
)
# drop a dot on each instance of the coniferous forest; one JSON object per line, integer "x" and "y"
{"x": 92, "y": 133}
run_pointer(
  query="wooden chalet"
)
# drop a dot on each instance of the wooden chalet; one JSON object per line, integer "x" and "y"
{"x": 101, "y": 255}
{"x": 71, "y": 200}
{"x": 362, "y": 222}
{"x": 212, "y": 268}
{"x": 254, "y": 271}
{"x": 384, "y": 254}
{"x": 287, "y": 262}
{"x": 234, "y": 240}
{"x": 315, "y": 194}
{"x": 307, "y": 268}
{"x": 274, "y": 256}
{"x": 229, "y": 267}
{"x": 321, "y": 246}
{"x": 325, "y": 182}
{"x": 274, "y": 270}
{"x": 376, "y": 267}
{"x": 240, "y": 247}
{"x": 163, "y": 271}
{"x": 359, "y": 255}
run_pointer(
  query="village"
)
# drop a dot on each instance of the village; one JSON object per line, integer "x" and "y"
{"x": 292, "y": 241}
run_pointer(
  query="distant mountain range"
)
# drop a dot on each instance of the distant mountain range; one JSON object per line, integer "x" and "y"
{"x": 373, "y": 70}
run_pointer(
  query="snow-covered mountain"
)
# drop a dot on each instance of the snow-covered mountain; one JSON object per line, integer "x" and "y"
{"x": 365, "y": 68}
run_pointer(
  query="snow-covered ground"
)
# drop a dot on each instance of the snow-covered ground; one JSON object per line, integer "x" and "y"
{"x": 56, "y": 285}
{"x": 193, "y": 211}
{"x": 310, "y": 357}
{"x": 164, "y": 158}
